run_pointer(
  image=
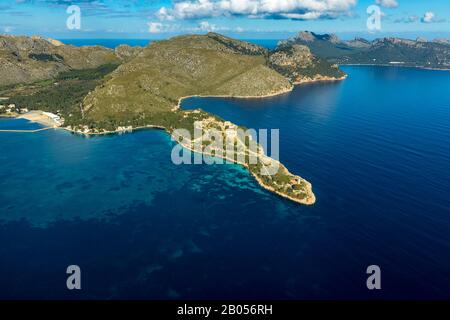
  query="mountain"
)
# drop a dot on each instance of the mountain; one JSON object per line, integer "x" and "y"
{"x": 386, "y": 51}
{"x": 150, "y": 85}
{"x": 394, "y": 51}
{"x": 442, "y": 41}
{"x": 146, "y": 91}
{"x": 97, "y": 90}
{"x": 298, "y": 64}
{"x": 79, "y": 84}
{"x": 30, "y": 59}
{"x": 325, "y": 46}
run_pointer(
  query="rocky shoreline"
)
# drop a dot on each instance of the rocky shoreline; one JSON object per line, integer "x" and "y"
{"x": 278, "y": 93}
{"x": 394, "y": 65}
{"x": 320, "y": 79}
{"x": 309, "y": 199}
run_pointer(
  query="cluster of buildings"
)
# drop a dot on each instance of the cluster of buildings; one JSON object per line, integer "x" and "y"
{"x": 11, "y": 108}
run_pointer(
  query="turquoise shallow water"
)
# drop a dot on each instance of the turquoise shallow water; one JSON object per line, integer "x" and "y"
{"x": 56, "y": 175}
{"x": 375, "y": 148}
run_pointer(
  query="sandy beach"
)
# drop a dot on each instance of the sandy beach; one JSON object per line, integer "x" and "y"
{"x": 39, "y": 117}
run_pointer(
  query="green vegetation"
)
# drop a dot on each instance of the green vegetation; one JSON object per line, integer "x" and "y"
{"x": 239, "y": 46}
{"x": 62, "y": 95}
{"x": 88, "y": 74}
{"x": 28, "y": 60}
{"x": 146, "y": 89}
{"x": 298, "y": 64}
{"x": 45, "y": 57}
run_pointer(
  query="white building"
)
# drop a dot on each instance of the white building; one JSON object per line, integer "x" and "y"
{"x": 54, "y": 117}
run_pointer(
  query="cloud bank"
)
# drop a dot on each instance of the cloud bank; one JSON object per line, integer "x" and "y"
{"x": 269, "y": 9}
{"x": 387, "y": 3}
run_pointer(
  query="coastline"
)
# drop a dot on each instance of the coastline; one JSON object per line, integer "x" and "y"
{"x": 8, "y": 116}
{"x": 32, "y": 116}
{"x": 320, "y": 79}
{"x": 113, "y": 132}
{"x": 180, "y": 100}
{"x": 310, "y": 199}
{"x": 38, "y": 117}
{"x": 393, "y": 65}
{"x": 274, "y": 94}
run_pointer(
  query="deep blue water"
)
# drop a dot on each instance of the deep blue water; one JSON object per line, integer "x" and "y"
{"x": 375, "y": 147}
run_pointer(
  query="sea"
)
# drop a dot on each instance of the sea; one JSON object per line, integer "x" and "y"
{"x": 376, "y": 148}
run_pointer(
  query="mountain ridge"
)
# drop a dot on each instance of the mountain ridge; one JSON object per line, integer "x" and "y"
{"x": 381, "y": 51}
{"x": 145, "y": 90}
{"x": 29, "y": 59}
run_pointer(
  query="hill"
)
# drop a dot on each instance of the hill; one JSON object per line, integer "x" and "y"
{"x": 151, "y": 84}
{"x": 31, "y": 59}
{"x": 299, "y": 65}
{"x": 326, "y": 46}
{"x": 411, "y": 53}
{"x": 142, "y": 90}
{"x": 98, "y": 91}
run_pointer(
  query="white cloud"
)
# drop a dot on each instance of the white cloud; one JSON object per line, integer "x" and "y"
{"x": 155, "y": 27}
{"x": 206, "y": 26}
{"x": 428, "y": 17}
{"x": 302, "y": 16}
{"x": 203, "y": 26}
{"x": 387, "y": 3}
{"x": 287, "y": 9}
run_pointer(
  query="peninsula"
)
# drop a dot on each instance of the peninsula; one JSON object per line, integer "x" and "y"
{"x": 142, "y": 88}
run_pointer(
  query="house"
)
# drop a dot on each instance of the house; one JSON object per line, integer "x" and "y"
{"x": 232, "y": 134}
{"x": 10, "y": 108}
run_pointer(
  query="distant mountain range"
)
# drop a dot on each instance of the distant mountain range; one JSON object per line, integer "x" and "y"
{"x": 385, "y": 51}
{"x": 106, "y": 88}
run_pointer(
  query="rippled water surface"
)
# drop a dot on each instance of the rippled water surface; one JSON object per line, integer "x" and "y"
{"x": 375, "y": 147}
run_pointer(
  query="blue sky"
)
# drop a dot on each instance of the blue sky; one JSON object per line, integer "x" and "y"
{"x": 155, "y": 19}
